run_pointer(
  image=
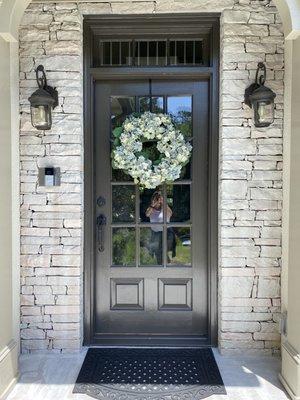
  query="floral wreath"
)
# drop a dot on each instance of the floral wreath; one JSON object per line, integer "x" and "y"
{"x": 150, "y": 149}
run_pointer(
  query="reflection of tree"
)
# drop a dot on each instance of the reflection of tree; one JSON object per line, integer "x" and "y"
{"x": 123, "y": 205}
{"x": 121, "y": 107}
{"x": 183, "y": 252}
{"x": 179, "y": 196}
{"x": 156, "y": 105}
{"x": 183, "y": 121}
{"x": 147, "y": 255}
{"x": 123, "y": 246}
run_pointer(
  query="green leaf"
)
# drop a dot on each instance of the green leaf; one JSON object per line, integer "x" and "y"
{"x": 117, "y": 132}
{"x": 116, "y": 142}
{"x": 136, "y": 114}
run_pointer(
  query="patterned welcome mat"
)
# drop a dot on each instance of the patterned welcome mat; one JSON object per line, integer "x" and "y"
{"x": 154, "y": 374}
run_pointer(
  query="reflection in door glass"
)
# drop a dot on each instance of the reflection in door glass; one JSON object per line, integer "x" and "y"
{"x": 123, "y": 203}
{"x": 123, "y": 246}
{"x": 179, "y": 202}
{"x": 180, "y": 109}
{"x": 151, "y": 245}
{"x": 157, "y": 104}
{"x": 151, "y": 205}
{"x": 121, "y": 107}
{"x": 179, "y": 246}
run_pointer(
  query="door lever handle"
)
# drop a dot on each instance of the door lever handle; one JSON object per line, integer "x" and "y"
{"x": 101, "y": 222}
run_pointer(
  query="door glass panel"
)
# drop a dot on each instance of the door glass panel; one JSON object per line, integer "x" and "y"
{"x": 151, "y": 240}
{"x": 157, "y": 244}
{"x": 157, "y": 104}
{"x": 123, "y": 203}
{"x": 179, "y": 202}
{"x": 121, "y": 107}
{"x": 151, "y": 206}
{"x": 180, "y": 109}
{"x": 179, "y": 246}
{"x": 123, "y": 246}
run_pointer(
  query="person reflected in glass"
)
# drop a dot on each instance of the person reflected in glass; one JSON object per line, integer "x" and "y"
{"x": 155, "y": 213}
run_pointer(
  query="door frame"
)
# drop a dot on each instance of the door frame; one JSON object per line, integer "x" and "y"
{"x": 90, "y": 75}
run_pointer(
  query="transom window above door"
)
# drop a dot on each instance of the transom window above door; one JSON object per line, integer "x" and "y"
{"x": 146, "y": 53}
{"x": 157, "y": 41}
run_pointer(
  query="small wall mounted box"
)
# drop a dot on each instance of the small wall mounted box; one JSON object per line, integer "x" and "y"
{"x": 49, "y": 176}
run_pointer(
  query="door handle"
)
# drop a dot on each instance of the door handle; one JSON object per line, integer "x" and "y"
{"x": 101, "y": 222}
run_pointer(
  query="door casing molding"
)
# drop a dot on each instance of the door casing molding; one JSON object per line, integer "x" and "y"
{"x": 211, "y": 72}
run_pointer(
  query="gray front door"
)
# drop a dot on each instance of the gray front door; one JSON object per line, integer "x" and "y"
{"x": 151, "y": 272}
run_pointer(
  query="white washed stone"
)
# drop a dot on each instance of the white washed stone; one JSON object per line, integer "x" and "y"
{"x": 62, "y": 310}
{"x": 261, "y": 18}
{"x": 34, "y": 34}
{"x": 236, "y": 16}
{"x": 240, "y": 232}
{"x": 32, "y": 334}
{"x": 35, "y": 19}
{"x": 240, "y": 326}
{"x": 44, "y": 299}
{"x": 133, "y": 7}
{"x": 241, "y": 345}
{"x": 57, "y": 271}
{"x": 236, "y": 286}
{"x": 65, "y": 317}
{"x": 61, "y": 47}
{"x": 234, "y": 189}
{"x": 266, "y": 194}
{"x": 244, "y": 316}
{"x": 246, "y": 30}
{"x": 268, "y": 287}
{"x": 70, "y": 35}
{"x": 68, "y": 300}
{"x": 271, "y": 251}
{"x": 272, "y": 232}
{"x": 240, "y": 251}
{"x": 238, "y": 146}
{"x": 94, "y": 8}
{"x": 60, "y": 62}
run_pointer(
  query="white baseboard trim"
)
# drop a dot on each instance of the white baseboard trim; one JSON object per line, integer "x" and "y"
{"x": 9, "y": 388}
{"x": 10, "y": 367}
{"x": 287, "y": 388}
{"x": 7, "y": 349}
{"x": 290, "y": 370}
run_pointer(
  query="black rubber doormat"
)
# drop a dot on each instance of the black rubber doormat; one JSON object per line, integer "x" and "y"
{"x": 149, "y": 374}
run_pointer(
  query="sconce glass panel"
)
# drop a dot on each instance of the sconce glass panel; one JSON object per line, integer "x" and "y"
{"x": 41, "y": 116}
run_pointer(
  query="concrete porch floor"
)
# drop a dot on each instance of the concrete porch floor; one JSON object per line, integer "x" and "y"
{"x": 51, "y": 377}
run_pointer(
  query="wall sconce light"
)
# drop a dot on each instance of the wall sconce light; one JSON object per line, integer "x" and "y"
{"x": 261, "y": 99}
{"x": 42, "y": 101}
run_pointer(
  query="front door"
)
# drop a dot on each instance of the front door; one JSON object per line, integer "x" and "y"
{"x": 151, "y": 271}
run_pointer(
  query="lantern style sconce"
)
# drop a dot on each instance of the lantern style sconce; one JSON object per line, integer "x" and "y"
{"x": 42, "y": 101}
{"x": 261, "y": 99}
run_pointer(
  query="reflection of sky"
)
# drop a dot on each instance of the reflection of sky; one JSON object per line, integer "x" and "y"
{"x": 176, "y": 104}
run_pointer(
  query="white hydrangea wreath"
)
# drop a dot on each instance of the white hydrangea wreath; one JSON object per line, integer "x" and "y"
{"x": 128, "y": 155}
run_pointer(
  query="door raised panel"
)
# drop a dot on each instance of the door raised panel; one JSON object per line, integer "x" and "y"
{"x": 127, "y": 294}
{"x": 175, "y": 294}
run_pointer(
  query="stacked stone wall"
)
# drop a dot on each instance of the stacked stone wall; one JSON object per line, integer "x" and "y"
{"x": 250, "y": 174}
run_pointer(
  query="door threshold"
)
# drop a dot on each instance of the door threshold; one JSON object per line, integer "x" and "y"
{"x": 145, "y": 342}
